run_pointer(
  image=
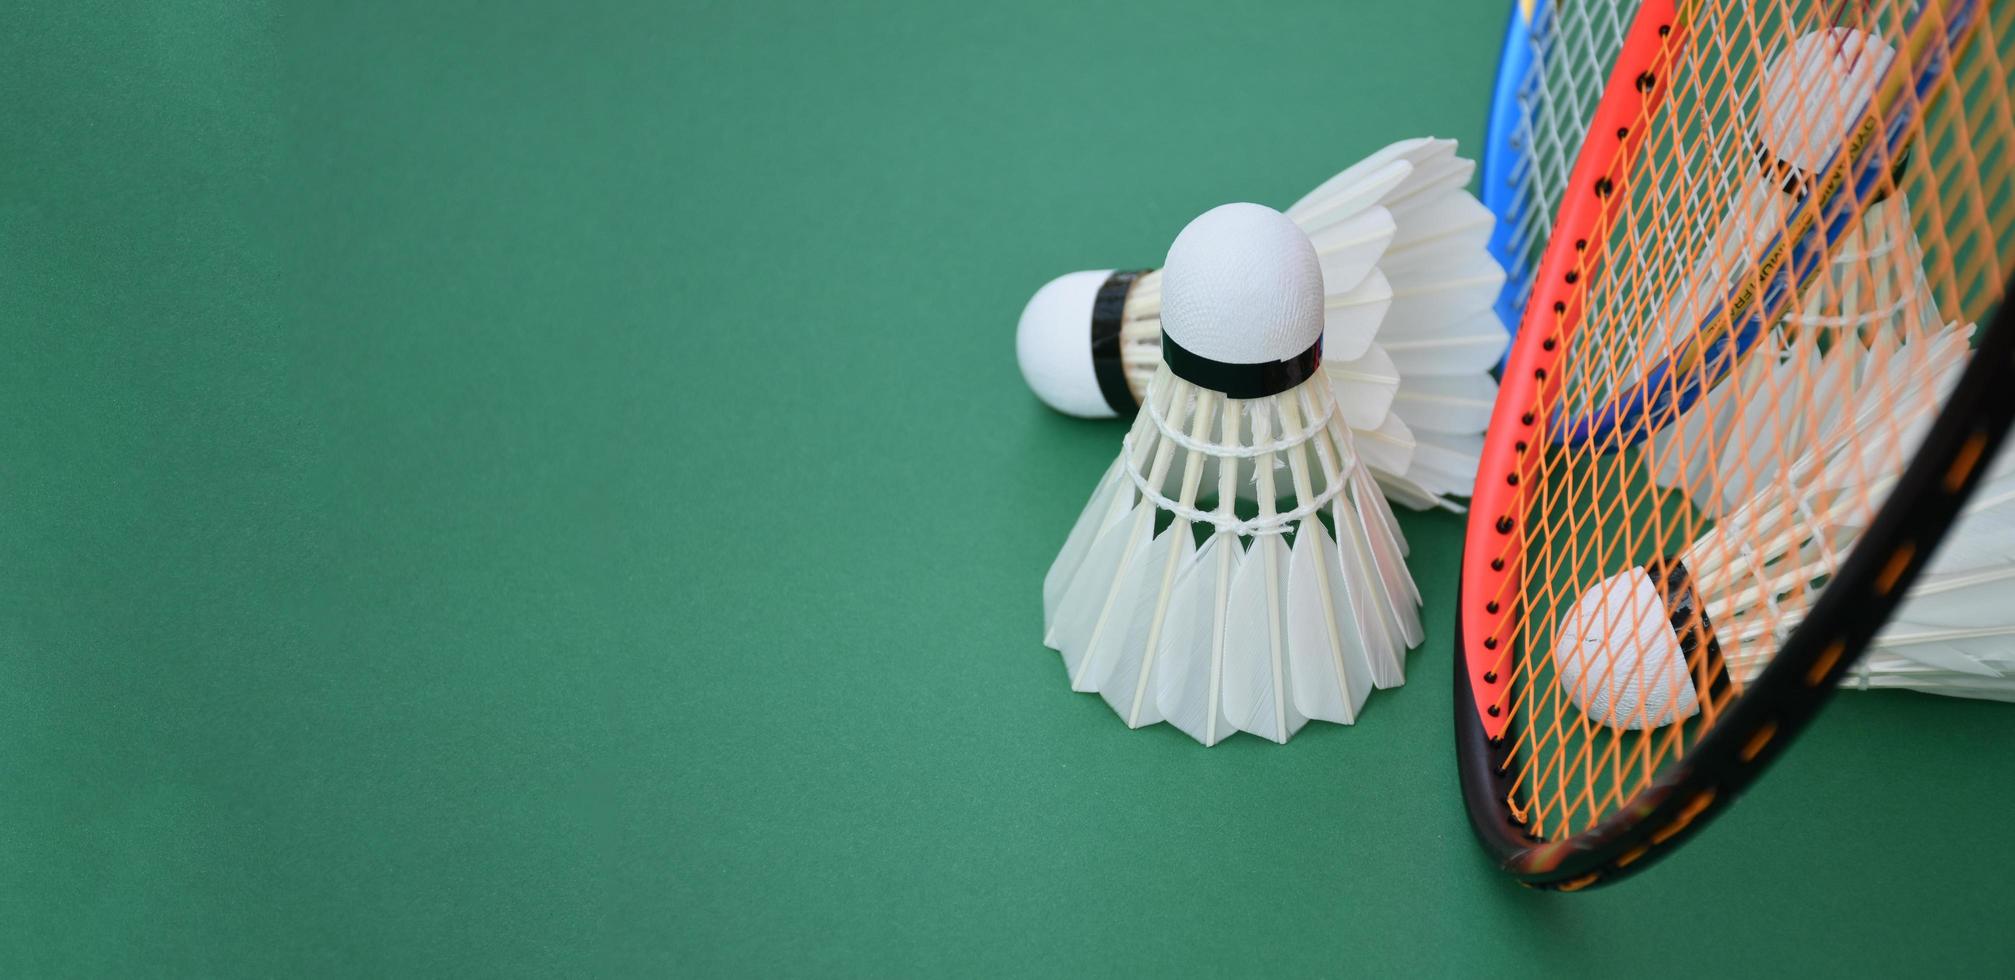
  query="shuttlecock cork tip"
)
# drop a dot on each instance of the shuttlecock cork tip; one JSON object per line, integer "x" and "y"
{"x": 1618, "y": 655}
{"x": 1053, "y": 343}
{"x": 1242, "y": 286}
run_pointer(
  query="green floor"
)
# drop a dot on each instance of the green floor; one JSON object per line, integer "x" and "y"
{"x": 489, "y": 492}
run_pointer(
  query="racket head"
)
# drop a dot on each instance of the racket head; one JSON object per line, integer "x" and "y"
{"x": 1520, "y": 742}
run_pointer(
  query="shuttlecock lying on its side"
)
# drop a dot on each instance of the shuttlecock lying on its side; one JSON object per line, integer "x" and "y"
{"x": 1812, "y": 93}
{"x": 1410, "y": 334}
{"x": 1318, "y": 609}
{"x": 1634, "y": 650}
{"x": 1871, "y": 295}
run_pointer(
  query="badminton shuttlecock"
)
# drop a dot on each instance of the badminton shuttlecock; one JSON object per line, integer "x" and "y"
{"x": 1409, "y": 331}
{"x": 1630, "y": 652}
{"x": 1240, "y": 439}
{"x": 1812, "y": 93}
{"x": 1871, "y": 292}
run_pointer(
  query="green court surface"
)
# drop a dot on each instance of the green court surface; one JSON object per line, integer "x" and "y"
{"x": 490, "y": 490}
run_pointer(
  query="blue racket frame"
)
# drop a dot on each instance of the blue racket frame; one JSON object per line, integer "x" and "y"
{"x": 1504, "y": 157}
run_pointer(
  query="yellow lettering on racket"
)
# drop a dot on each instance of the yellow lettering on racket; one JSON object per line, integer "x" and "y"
{"x": 1836, "y": 177}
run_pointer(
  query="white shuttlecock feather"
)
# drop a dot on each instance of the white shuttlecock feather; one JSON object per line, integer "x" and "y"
{"x": 1410, "y": 334}
{"x": 1871, "y": 292}
{"x": 1859, "y": 413}
{"x": 1229, "y": 637}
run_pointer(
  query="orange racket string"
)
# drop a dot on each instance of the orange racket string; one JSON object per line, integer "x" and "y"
{"x": 1749, "y": 506}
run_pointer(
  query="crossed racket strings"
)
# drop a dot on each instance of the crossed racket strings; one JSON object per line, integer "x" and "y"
{"x": 1760, "y": 485}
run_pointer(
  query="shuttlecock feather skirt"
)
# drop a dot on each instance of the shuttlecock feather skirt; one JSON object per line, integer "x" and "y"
{"x": 1237, "y": 569}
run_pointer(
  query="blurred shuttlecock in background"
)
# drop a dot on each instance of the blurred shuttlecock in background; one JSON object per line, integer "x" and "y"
{"x": 1870, "y": 296}
{"x": 1409, "y": 334}
{"x": 1241, "y": 439}
{"x": 1812, "y": 92}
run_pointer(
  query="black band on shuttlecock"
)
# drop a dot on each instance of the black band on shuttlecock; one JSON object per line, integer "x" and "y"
{"x": 1797, "y": 182}
{"x": 1108, "y": 311}
{"x": 1691, "y": 627}
{"x": 1895, "y": 175}
{"x": 1240, "y": 380}
{"x": 1790, "y": 179}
